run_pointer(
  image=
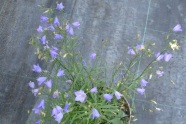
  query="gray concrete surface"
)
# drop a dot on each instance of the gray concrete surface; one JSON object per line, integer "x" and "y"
{"x": 119, "y": 21}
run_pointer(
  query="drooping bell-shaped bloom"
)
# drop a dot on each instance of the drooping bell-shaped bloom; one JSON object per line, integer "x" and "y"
{"x": 80, "y": 96}
{"x": 43, "y": 40}
{"x": 51, "y": 28}
{"x": 48, "y": 83}
{"x": 159, "y": 56}
{"x": 56, "y": 110}
{"x": 55, "y": 94}
{"x": 118, "y": 95}
{"x": 94, "y": 90}
{"x": 76, "y": 24}
{"x": 59, "y": 117}
{"x": 95, "y": 114}
{"x": 31, "y": 84}
{"x": 144, "y": 83}
{"x": 56, "y": 22}
{"x": 35, "y": 91}
{"x": 65, "y": 109}
{"x": 69, "y": 29}
{"x": 43, "y": 19}
{"x": 60, "y": 6}
{"x": 140, "y": 91}
{"x": 38, "y": 122}
{"x": 60, "y": 73}
{"x": 40, "y": 29}
{"x": 140, "y": 47}
{"x": 93, "y": 56}
{"x": 131, "y": 51}
{"x": 159, "y": 73}
{"x": 167, "y": 57}
{"x": 40, "y": 106}
{"x": 57, "y": 113}
{"x": 108, "y": 97}
{"x": 53, "y": 52}
{"x": 41, "y": 80}
{"x": 58, "y": 37}
{"x": 177, "y": 28}
{"x": 36, "y": 68}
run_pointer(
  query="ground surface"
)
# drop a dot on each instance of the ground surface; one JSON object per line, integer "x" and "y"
{"x": 119, "y": 21}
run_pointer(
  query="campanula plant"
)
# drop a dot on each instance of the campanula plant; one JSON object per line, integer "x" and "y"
{"x": 75, "y": 87}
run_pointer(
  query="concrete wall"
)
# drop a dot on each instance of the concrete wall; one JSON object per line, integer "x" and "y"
{"x": 119, "y": 21}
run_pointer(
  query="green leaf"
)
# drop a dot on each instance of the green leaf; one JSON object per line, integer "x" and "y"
{"x": 121, "y": 114}
{"x": 116, "y": 121}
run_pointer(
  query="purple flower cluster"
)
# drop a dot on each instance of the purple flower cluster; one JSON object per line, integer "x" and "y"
{"x": 58, "y": 112}
{"x": 108, "y": 97}
{"x": 143, "y": 85}
{"x": 164, "y": 56}
{"x": 34, "y": 90}
{"x": 69, "y": 28}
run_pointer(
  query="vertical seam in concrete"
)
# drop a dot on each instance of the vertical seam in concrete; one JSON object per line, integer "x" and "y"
{"x": 73, "y": 10}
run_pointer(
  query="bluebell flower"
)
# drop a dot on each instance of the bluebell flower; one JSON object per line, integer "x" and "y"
{"x": 57, "y": 113}
{"x": 159, "y": 56}
{"x": 60, "y": 73}
{"x": 131, "y": 51}
{"x": 51, "y": 28}
{"x": 43, "y": 19}
{"x": 66, "y": 107}
{"x": 95, "y": 114}
{"x": 31, "y": 84}
{"x": 144, "y": 83}
{"x": 43, "y": 40}
{"x": 76, "y": 24}
{"x": 39, "y": 107}
{"x": 41, "y": 80}
{"x": 140, "y": 91}
{"x": 48, "y": 83}
{"x": 40, "y": 29}
{"x": 177, "y": 28}
{"x": 118, "y": 95}
{"x": 94, "y": 90}
{"x": 93, "y": 56}
{"x": 35, "y": 91}
{"x": 167, "y": 57}
{"x": 58, "y": 37}
{"x": 53, "y": 53}
{"x": 38, "y": 122}
{"x": 80, "y": 96}
{"x": 60, "y": 6}
{"x": 56, "y": 22}
{"x": 108, "y": 97}
{"x": 37, "y": 68}
{"x": 69, "y": 30}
